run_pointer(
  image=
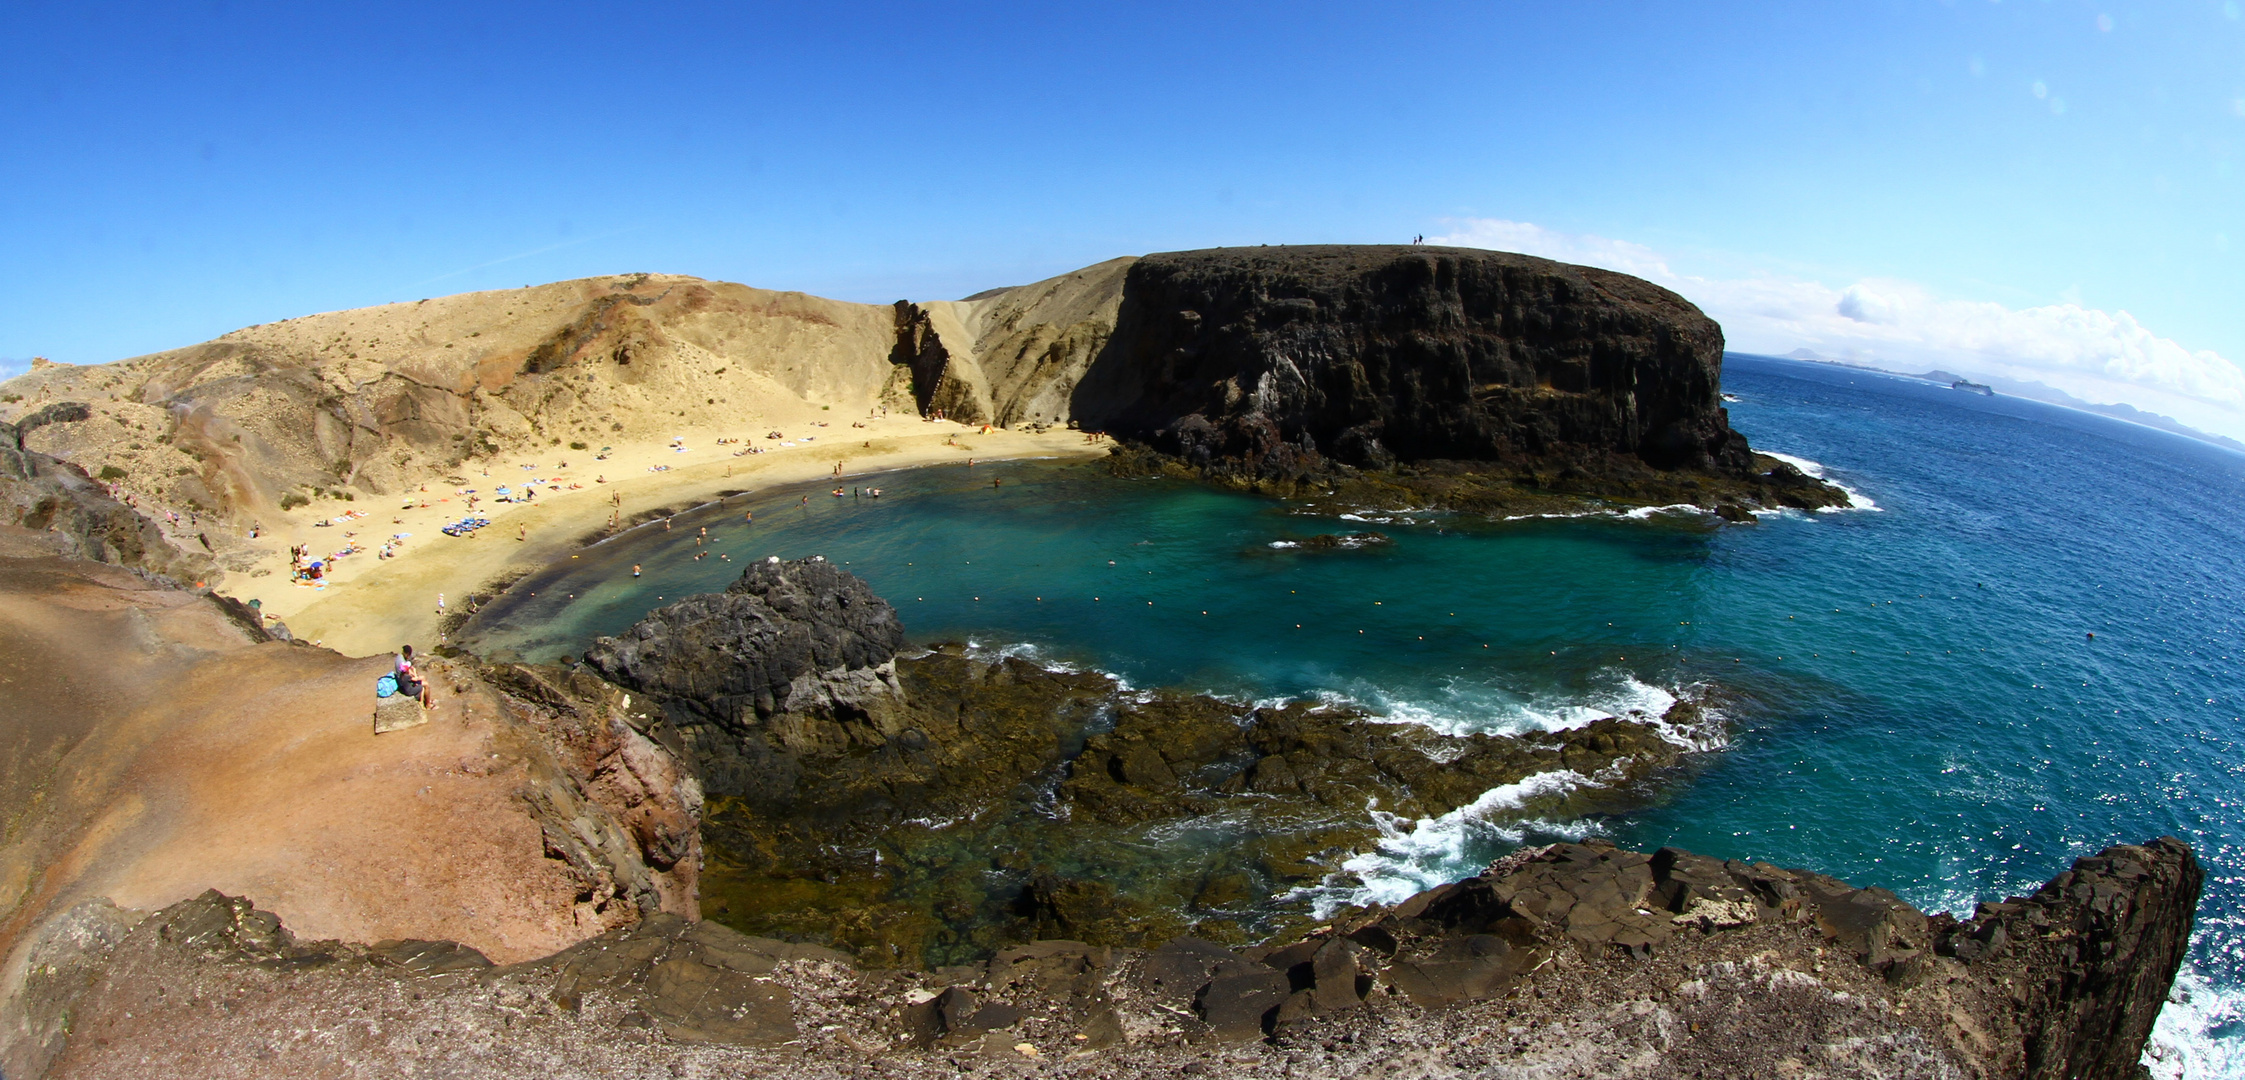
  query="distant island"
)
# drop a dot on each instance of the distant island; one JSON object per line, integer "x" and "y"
{"x": 2032, "y": 391}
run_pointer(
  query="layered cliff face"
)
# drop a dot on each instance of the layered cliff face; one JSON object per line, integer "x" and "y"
{"x": 1373, "y": 354}
{"x": 1469, "y": 378}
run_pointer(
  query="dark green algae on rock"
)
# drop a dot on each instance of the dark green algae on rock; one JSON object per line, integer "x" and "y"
{"x": 923, "y": 810}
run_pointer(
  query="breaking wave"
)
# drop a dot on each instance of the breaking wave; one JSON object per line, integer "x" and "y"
{"x": 1856, "y": 500}
{"x": 1413, "y": 856}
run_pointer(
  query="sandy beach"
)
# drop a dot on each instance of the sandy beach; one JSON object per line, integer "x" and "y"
{"x": 369, "y": 605}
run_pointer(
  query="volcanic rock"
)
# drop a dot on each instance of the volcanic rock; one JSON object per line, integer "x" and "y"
{"x": 1280, "y": 356}
{"x": 44, "y": 494}
{"x": 1466, "y": 975}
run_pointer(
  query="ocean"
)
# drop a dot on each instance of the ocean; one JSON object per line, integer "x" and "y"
{"x": 2022, "y": 646}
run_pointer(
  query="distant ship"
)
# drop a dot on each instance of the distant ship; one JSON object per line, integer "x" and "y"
{"x": 1970, "y": 387}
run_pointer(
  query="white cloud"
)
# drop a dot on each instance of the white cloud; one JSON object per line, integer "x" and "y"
{"x": 2099, "y": 356}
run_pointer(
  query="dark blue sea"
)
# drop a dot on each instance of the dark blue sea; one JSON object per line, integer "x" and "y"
{"x": 2022, "y": 647}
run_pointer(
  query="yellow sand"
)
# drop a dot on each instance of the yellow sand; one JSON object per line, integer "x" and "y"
{"x": 371, "y": 605}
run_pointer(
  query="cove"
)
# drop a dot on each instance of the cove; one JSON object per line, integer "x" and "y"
{"x": 1915, "y": 700}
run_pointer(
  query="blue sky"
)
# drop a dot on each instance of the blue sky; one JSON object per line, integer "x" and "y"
{"x": 1900, "y": 182}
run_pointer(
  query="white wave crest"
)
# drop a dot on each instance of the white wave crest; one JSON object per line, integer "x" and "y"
{"x": 1413, "y": 856}
{"x": 1466, "y": 708}
{"x": 2189, "y": 1041}
{"x": 1856, "y": 500}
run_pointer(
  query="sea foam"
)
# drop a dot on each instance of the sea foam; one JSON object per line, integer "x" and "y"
{"x": 2189, "y": 1042}
{"x": 1413, "y": 856}
{"x": 1856, "y": 500}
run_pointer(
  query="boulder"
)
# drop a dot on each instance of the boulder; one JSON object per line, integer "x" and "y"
{"x": 794, "y": 637}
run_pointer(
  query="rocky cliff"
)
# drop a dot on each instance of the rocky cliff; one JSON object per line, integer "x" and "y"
{"x": 1473, "y": 378}
{"x": 1279, "y": 367}
{"x": 1370, "y": 354}
{"x": 1568, "y": 960}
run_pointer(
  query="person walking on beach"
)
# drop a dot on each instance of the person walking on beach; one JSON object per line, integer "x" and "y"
{"x": 440, "y": 603}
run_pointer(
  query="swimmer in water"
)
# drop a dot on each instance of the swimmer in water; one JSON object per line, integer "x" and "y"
{"x": 635, "y": 569}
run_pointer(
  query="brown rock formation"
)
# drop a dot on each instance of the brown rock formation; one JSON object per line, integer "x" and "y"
{"x": 79, "y": 518}
{"x": 1578, "y": 960}
{"x": 155, "y": 744}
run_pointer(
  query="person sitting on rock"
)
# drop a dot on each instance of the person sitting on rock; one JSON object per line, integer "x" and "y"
{"x": 409, "y": 678}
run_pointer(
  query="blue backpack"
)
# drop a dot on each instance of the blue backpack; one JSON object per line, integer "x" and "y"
{"x": 386, "y": 686}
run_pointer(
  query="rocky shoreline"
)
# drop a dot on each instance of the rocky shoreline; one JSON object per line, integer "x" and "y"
{"x": 1575, "y": 959}
{"x": 932, "y": 808}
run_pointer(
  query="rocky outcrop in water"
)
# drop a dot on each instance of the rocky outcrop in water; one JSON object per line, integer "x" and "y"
{"x": 1570, "y": 960}
{"x": 920, "y": 809}
{"x": 2088, "y": 960}
{"x": 804, "y": 640}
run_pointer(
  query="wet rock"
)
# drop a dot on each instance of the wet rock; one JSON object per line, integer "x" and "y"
{"x": 922, "y": 824}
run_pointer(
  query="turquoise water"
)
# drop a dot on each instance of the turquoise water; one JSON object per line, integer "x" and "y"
{"x": 1915, "y": 697}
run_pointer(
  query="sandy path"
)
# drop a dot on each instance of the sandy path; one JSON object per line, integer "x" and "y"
{"x": 370, "y": 606}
